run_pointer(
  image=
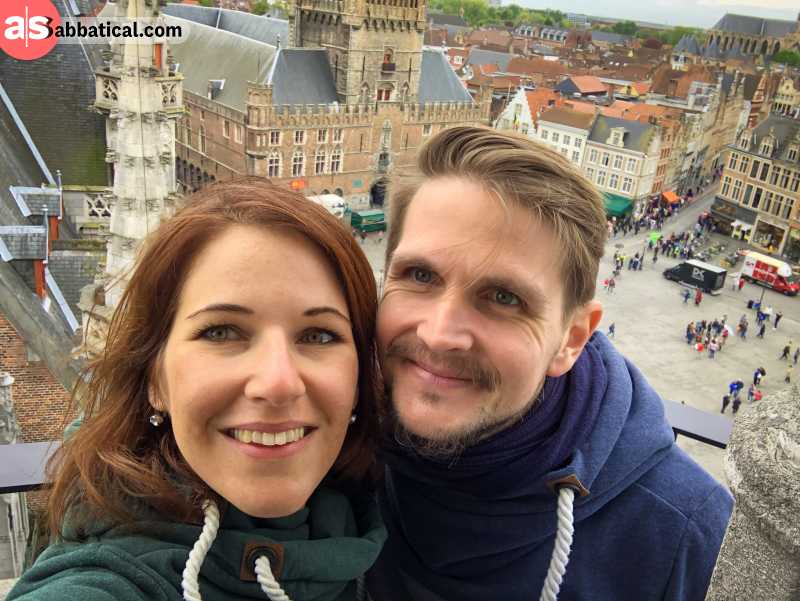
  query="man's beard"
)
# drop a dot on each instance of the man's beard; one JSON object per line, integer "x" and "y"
{"x": 450, "y": 445}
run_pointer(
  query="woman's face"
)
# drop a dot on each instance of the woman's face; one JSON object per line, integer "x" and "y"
{"x": 259, "y": 372}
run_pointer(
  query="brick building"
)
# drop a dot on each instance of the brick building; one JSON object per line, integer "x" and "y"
{"x": 328, "y": 102}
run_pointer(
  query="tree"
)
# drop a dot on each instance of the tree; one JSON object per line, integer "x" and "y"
{"x": 207, "y": 3}
{"x": 260, "y": 7}
{"x": 625, "y": 28}
{"x": 787, "y": 57}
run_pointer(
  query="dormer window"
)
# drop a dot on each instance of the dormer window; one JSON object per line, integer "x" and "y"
{"x": 617, "y": 137}
{"x": 792, "y": 154}
{"x": 766, "y": 147}
{"x": 744, "y": 141}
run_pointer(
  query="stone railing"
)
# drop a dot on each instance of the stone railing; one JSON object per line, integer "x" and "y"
{"x": 760, "y": 556}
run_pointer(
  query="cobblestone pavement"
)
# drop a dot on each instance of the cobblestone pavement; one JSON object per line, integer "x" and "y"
{"x": 651, "y": 318}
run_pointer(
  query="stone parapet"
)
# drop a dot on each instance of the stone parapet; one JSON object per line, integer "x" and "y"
{"x": 760, "y": 556}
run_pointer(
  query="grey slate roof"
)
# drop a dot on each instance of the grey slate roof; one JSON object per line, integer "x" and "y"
{"x": 478, "y": 56}
{"x": 637, "y": 137}
{"x": 438, "y": 82}
{"x": 712, "y": 50}
{"x": 441, "y": 19}
{"x": 755, "y": 25}
{"x": 688, "y": 45}
{"x": 735, "y": 51}
{"x": 33, "y": 201}
{"x": 610, "y": 37}
{"x": 23, "y": 242}
{"x": 783, "y": 129}
{"x": 302, "y": 76}
{"x": 209, "y": 53}
{"x": 17, "y": 167}
{"x": 260, "y": 28}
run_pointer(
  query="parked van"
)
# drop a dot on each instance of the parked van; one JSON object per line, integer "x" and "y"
{"x": 769, "y": 272}
{"x": 333, "y": 202}
{"x": 698, "y": 274}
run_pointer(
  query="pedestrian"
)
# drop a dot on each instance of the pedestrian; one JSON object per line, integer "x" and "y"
{"x": 758, "y": 395}
{"x": 612, "y": 283}
{"x": 698, "y": 297}
{"x": 713, "y": 348}
{"x": 796, "y": 354}
{"x": 686, "y": 295}
{"x": 761, "y": 330}
{"x": 788, "y": 377}
{"x": 655, "y": 257}
{"x": 726, "y": 400}
{"x": 778, "y": 316}
{"x": 757, "y": 377}
{"x": 786, "y": 351}
{"x": 612, "y": 330}
{"x": 725, "y": 334}
{"x": 741, "y": 283}
{"x": 736, "y": 403}
{"x": 751, "y": 393}
{"x": 743, "y": 330}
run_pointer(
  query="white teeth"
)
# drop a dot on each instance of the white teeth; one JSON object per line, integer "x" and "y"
{"x": 269, "y": 439}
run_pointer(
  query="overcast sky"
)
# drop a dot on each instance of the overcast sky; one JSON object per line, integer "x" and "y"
{"x": 695, "y": 13}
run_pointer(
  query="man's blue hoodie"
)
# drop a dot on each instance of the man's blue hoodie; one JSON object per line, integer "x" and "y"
{"x": 648, "y": 523}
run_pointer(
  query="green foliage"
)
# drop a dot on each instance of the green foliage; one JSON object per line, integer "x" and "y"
{"x": 625, "y": 28}
{"x": 260, "y": 7}
{"x": 207, "y": 3}
{"x": 478, "y": 13}
{"x": 787, "y": 57}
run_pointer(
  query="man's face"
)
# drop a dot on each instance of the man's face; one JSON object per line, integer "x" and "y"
{"x": 471, "y": 316}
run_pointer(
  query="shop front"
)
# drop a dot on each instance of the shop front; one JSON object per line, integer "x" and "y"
{"x": 791, "y": 250}
{"x": 733, "y": 220}
{"x": 768, "y": 236}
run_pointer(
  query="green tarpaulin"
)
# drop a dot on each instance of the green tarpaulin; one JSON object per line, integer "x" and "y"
{"x": 617, "y": 205}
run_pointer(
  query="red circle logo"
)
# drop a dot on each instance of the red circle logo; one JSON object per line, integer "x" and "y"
{"x": 27, "y": 28}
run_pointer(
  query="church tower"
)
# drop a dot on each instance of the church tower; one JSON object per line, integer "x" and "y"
{"x": 374, "y": 46}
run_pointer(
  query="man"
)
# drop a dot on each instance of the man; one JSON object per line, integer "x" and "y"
{"x": 778, "y": 316}
{"x": 509, "y": 420}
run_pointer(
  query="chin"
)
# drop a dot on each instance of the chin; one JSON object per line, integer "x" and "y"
{"x": 271, "y": 508}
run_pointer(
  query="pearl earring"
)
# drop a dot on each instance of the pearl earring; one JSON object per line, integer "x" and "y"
{"x": 156, "y": 419}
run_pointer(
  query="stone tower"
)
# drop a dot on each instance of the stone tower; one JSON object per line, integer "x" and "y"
{"x": 374, "y": 46}
{"x": 142, "y": 96}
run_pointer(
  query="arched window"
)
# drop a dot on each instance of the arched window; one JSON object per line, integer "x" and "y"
{"x": 274, "y": 164}
{"x": 365, "y": 94}
{"x": 336, "y": 161}
{"x": 319, "y": 162}
{"x": 298, "y": 163}
{"x": 384, "y": 93}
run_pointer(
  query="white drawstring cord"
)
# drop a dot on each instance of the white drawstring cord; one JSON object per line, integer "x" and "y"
{"x": 191, "y": 588}
{"x": 267, "y": 581}
{"x": 560, "y": 557}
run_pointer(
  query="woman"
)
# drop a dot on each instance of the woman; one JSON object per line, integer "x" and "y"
{"x": 227, "y": 448}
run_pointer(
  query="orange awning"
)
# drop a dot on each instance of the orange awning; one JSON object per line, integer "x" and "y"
{"x": 671, "y": 197}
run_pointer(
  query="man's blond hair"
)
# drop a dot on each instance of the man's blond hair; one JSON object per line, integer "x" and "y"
{"x": 525, "y": 174}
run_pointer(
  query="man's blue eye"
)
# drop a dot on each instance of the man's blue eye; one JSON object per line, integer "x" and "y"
{"x": 504, "y": 297}
{"x": 422, "y": 276}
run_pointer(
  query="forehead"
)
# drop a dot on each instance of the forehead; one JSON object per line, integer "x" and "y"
{"x": 456, "y": 223}
{"x": 259, "y": 263}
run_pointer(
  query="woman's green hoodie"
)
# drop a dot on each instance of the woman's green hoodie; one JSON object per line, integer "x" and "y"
{"x": 326, "y": 546}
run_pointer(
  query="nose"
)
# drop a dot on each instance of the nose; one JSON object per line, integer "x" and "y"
{"x": 273, "y": 373}
{"x": 444, "y": 326}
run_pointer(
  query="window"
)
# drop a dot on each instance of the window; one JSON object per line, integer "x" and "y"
{"x": 545, "y": 134}
{"x": 384, "y": 94}
{"x": 764, "y": 172}
{"x": 299, "y": 136}
{"x": 726, "y": 185}
{"x": 337, "y": 135}
{"x": 601, "y": 178}
{"x": 226, "y": 128}
{"x": 319, "y": 162}
{"x": 776, "y": 173}
{"x": 274, "y": 165}
{"x": 567, "y": 140}
{"x": 593, "y": 156}
{"x": 795, "y": 181}
{"x": 298, "y": 162}
{"x": 590, "y": 173}
{"x": 606, "y": 159}
{"x": 202, "y": 115}
{"x": 767, "y": 201}
{"x": 202, "y": 140}
{"x": 745, "y": 164}
{"x": 787, "y": 207}
{"x": 576, "y": 156}
{"x": 630, "y": 167}
{"x": 766, "y": 148}
{"x": 627, "y": 185}
{"x": 336, "y": 161}
{"x": 564, "y": 151}
{"x": 617, "y": 161}
{"x": 237, "y": 133}
{"x": 778, "y": 205}
{"x": 792, "y": 155}
{"x": 322, "y": 136}
{"x": 785, "y": 179}
{"x": 616, "y": 139}
{"x": 578, "y": 142}
{"x": 733, "y": 161}
{"x": 754, "y": 169}
{"x": 613, "y": 181}
{"x": 555, "y": 137}
{"x": 426, "y": 129}
{"x": 757, "y": 197}
{"x": 737, "y": 189}
{"x": 274, "y": 138}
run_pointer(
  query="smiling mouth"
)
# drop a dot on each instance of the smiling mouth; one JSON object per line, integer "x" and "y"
{"x": 270, "y": 439}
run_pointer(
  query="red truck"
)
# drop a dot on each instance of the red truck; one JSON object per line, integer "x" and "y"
{"x": 769, "y": 272}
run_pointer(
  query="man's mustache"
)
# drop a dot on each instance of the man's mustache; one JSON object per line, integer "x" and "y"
{"x": 464, "y": 366}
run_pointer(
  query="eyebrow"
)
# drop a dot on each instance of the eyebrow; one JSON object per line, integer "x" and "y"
{"x": 233, "y": 308}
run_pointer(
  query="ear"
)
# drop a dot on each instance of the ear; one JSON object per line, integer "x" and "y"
{"x": 582, "y": 324}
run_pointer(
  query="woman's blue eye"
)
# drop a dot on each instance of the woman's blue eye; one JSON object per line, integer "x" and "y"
{"x": 218, "y": 333}
{"x": 318, "y": 337}
{"x": 504, "y": 297}
{"x": 421, "y": 276}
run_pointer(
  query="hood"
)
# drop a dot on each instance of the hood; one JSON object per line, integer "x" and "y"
{"x": 627, "y": 436}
